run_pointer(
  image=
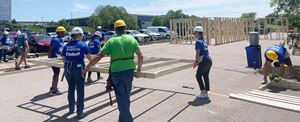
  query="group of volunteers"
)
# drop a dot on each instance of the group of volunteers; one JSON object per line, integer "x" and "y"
{"x": 120, "y": 48}
{"x": 20, "y": 44}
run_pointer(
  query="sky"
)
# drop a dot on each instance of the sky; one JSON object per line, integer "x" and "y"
{"x": 48, "y": 10}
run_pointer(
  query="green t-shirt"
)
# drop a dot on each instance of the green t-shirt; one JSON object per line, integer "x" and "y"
{"x": 121, "y": 47}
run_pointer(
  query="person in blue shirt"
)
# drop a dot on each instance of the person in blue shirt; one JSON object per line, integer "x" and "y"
{"x": 55, "y": 50}
{"x": 73, "y": 55}
{"x": 94, "y": 46}
{"x": 23, "y": 49}
{"x": 276, "y": 54}
{"x": 203, "y": 61}
{"x": 4, "y": 44}
{"x": 102, "y": 39}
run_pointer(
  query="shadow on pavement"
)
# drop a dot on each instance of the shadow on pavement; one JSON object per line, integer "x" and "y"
{"x": 199, "y": 102}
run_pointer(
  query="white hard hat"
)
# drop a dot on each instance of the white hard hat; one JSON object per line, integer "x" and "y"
{"x": 77, "y": 30}
{"x": 198, "y": 29}
{"x": 19, "y": 33}
{"x": 99, "y": 27}
{"x": 6, "y": 33}
{"x": 98, "y": 33}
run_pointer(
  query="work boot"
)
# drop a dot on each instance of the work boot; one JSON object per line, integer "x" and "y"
{"x": 27, "y": 66}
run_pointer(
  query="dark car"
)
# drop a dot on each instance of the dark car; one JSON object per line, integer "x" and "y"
{"x": 39, "y": 43}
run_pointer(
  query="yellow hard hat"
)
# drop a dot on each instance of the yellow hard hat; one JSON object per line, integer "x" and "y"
{"x": 60, "y": 29}
{"x": 271, "y": 55}
{"x": 119, "y": 23}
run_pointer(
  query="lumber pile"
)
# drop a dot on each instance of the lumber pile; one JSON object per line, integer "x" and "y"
{"x": 152, "y": 67}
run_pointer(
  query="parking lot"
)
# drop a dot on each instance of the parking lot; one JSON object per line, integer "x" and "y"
{"x": 24, "y": 97}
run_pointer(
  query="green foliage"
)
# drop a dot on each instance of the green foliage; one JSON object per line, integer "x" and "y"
{"x": 13, "y": 21}
{"x": 157, "y": 21}
{"x": 289, "y": 7}
{"x": 63, "y": 23}
{"x": 172, "y": 15}
{"x": 250, "y": 15}
{"x": 105, "y": 16}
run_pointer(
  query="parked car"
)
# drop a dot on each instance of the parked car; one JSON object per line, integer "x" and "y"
{"x": 52, "y": 34}
{"x": 109, "y": 34}
{"x": 162, "y": 30}
{"x": 153, "y": 35}
{"x": 140, "y": 37}
{"x": 67, "y": 37}
{"x": 39, "y": 43}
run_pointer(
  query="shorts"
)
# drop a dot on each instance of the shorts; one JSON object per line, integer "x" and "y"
{"x": 23, "y": 52}
{"x": 56, "y": 70}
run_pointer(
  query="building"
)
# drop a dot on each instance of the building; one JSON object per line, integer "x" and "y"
{"x": 5, "y": 9}
{"x": 143, "y": 21}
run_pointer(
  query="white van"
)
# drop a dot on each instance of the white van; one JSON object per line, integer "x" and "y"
{"x": 162, "y": 30}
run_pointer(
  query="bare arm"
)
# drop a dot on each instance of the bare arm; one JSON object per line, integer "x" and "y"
{"x": 95, "y": 60}
{"x": 282, "y": 70}
{"x": 89, "y": 57}
{"x": 140, "y": 59}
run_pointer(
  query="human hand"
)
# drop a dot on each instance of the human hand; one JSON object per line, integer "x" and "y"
{"x": 195, "y": 65}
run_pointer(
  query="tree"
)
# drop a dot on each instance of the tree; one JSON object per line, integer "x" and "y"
{"x": 173, "y": 15}
{"x": 75, "y": 23}
{"x": 157, "y": 21}
{"x": 63, "y": 23}
{"x": 289, "y": 7}
{"x": 109, "y": 14}
{"x": 13, "y": 21}
{"x": 250, "y": 15}
{"x": 52, "y": 23}
{"x": 93, "y": 21}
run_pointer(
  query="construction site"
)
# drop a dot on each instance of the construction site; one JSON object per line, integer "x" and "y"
{"x": 165, "y": 91}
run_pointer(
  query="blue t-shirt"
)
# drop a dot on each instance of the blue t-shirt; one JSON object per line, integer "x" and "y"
{"x": 94, "y": 46}
{"x": 74, "y": 51}
{"x": 102, "y": 36}
{"x": 280, "y": 51}
{"x": 56, "y": 45}
{"x": 203, "y": 47}
{"x": 5, "y": 40}
{"x": 21, "y": 40}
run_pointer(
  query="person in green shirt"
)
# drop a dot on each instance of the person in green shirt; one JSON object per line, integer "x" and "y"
{"x": 121, "y": 49}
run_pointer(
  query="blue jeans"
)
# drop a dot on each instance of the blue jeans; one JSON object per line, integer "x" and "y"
{"x": 122, "y": 83}
{"x": 3, "y": 54}
{"x": 75, "y": 81}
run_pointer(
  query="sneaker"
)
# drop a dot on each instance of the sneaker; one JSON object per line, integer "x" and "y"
{"x": 55, "y": 92}
{"x": 265, "y": 81}
{"x": 27, "y": 66}
{"x": 79, "y": 116}
{"x": 89, "y": 80}
{"x": 206, "y": 94}
{"x": 200, "y": 95}
{"x": 99, "y": 78}
{"x": 5, "y": 60}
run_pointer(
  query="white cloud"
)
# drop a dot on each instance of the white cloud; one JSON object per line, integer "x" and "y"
{"x": 79, "y": 7}
{"x": 207, "y": 8}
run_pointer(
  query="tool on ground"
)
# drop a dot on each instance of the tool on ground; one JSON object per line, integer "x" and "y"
{"x": 62, "y": 77}
{"x": 187, "y": 87}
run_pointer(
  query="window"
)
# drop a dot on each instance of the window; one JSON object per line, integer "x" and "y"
{"x": 161, "y": 30}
